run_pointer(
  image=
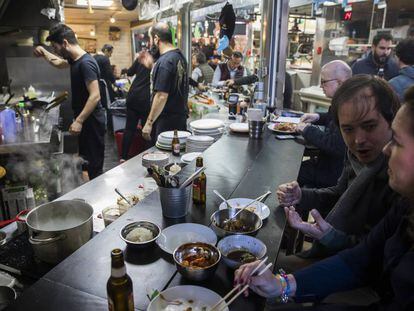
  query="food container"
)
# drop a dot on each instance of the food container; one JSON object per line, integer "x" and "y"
{"x": 233, "y": 243}
{"x": 196, "y": 273}
{"x": 248, "y": 218}
{"x": 58, "y": 228}
{"x": 156, "y": 231}
{"x": 175, "y": 201}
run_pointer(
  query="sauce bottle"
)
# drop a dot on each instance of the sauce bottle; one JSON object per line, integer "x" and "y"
{"x": 175, "y": 144}
{"x": 200, "y": 185}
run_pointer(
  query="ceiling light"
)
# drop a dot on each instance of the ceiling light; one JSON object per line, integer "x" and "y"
{"x": 329, "y": 3}
{"x": 103, "y": 3}
{"x": 112, "y": 20}
{"x": 92, "y": 33}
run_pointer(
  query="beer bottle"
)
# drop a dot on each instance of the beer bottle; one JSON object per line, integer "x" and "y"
{"x": 175, "y": 144}
{"x": 199, "y": 185}
{"x": 119, "y": 285}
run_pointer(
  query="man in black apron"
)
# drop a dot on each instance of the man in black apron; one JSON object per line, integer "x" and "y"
{"x": 89, "y": 123}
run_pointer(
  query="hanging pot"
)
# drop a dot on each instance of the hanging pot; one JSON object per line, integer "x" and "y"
{"x": 130, "y": 5}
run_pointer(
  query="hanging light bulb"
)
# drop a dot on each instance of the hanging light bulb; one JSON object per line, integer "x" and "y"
{"x": 92, "y": 33}
{"x": 112, "y": 20}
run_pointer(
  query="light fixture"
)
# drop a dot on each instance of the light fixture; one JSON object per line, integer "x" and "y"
{"x": 112, "y": 20}
{"x": 103, "y": 3}
{"x": 329, "y": 3}
{"x": 92, "y": 33}
{"x": 382, "y": 5}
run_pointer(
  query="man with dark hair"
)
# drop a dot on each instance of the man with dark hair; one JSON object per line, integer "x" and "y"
{"x": 89, "y": 123}
{"x": 379, "y": 61}
{"x": 231, "y": 70}
{"x": 405, "y": 56}
{"x": 102, "y": 58}
{"x": 169, "y": 83}
{"x": 202, "y": 72}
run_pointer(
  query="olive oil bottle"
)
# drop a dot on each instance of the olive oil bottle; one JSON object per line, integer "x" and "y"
{"x": 200, "y": 185}
{"x": 119, "y": 285}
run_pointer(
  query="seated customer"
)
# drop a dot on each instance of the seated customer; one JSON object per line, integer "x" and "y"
{"x": 325, "y": 169}
{"x": 363, "y": 107}
{"x": 383, "y": 260}
{"x": 405, "y": 56}
{"x": 233, "y": 69}
{"x": 202, "y": 72}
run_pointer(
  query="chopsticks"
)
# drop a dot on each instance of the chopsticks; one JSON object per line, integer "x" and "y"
{"x": 223, "y": 300}
{"x": 247, "y": 205}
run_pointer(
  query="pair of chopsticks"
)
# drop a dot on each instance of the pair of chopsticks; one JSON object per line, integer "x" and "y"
{"x": 217, "y": 306}
{"x": 253, "y": 201}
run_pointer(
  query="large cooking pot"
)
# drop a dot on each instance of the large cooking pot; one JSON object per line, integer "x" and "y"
{"x": 58, "y": 228}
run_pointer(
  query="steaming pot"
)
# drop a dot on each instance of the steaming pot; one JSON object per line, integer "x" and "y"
{"x": 57, "y": 229}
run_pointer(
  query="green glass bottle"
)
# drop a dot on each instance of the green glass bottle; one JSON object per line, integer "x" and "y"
{"x": 119, "y": 285}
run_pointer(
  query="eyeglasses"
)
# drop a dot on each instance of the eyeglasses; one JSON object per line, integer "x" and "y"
{"x": 326, "y": 81}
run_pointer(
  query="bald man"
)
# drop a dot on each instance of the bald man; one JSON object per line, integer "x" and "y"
{"x": 325, "y": 169}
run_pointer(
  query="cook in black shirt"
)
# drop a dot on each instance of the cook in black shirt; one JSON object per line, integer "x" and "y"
{"x": 89, "y": 123}
{"x": 169, "y": 109}
{"x": 102, "y": 58}
{"x": 137, "y": 102}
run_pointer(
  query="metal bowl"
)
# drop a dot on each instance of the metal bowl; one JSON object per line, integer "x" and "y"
{"x": 191, "y": 273}
{"x": 240, "y": 242}
{"x": 156, "y": 231}
{"x": 249, "y": 218}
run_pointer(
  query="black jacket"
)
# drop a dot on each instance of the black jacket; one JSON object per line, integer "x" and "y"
{"x": 367, "y": 65}
{"x": 332, "y": 148}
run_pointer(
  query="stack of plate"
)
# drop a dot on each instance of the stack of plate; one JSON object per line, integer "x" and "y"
{"x": 199, "y": 143}
{"x": 155, "y": 158}
{"x": 190, "y": 157}
{"x": 164, "y": 140}
{"x": 208, "y": 127}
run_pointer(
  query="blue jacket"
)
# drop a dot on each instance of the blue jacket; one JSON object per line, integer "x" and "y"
{"x": 383, "y": 260}
{"x": 403, "y": 81}
{"x": 367, "y": 65}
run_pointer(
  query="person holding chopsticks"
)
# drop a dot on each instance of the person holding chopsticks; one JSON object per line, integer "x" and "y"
{"x": 383, "y": 260}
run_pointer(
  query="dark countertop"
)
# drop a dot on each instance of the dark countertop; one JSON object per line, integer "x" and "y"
{"x": 236, "y": 167}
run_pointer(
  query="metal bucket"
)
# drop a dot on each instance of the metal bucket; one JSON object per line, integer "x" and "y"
{"x": 175, "y": 201}
{"x": 256, "y": 129}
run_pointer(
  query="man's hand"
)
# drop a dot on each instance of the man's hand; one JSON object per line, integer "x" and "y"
{"x": 229, "y": 83}
{"x": 39, "y": 51}
{"x": 202, "y": 87}
{"x": 146, "y": 59}
{"x": 309, "y": 117}
{"x": 146, "y": 131}
{"x": 316, "y": 230}
{"x": 301, "y": 127}
{"x": 75, "y": 128}
{"x": 289, "y": 194}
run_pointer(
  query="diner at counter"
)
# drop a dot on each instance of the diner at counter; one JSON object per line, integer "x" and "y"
{"x": 384, "y": 259}
{"x": 363, "y": 108}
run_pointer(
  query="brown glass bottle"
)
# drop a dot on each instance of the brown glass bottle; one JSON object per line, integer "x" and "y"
{"x": 119, "y": 285}
{"x": 175, "y": 144}
{"x": 200, "y": 185}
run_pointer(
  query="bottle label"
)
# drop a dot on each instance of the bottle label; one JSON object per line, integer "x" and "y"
{"x": 196, "y": 191}
{"x": 131, "y": 301}
{"x": 176, "y": 149}
{"x": 111, "y": 306}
